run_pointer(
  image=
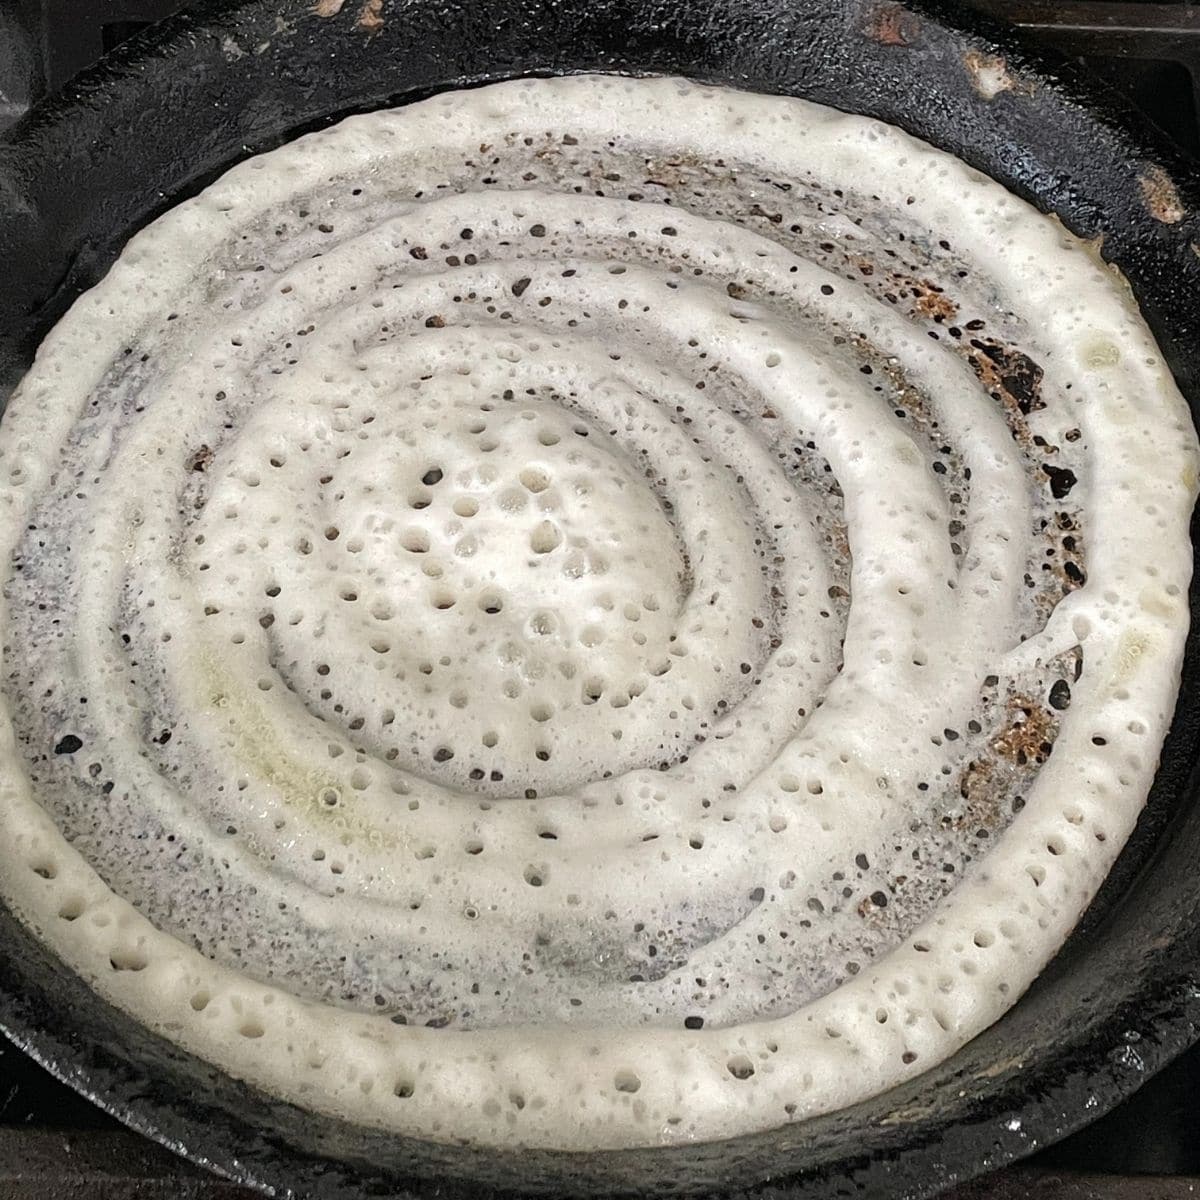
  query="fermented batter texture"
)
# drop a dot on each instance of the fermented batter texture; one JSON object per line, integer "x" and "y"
{"x": 586, "y": 613}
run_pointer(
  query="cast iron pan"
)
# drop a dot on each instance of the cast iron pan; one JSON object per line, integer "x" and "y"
{"x": 165, "y": 114}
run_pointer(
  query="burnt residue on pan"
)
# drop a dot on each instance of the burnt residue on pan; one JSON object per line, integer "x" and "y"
{"x": 989, "y": 75}
{"x": 1161, "y": 195}
{"x": 892, "y": 25}
{"x": 370, "y": 14}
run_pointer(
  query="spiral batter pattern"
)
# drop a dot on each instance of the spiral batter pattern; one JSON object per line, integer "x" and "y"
{"x": 586, "y": 613}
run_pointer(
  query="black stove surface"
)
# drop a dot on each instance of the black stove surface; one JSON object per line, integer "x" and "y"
{"x": 55, "y": 1144}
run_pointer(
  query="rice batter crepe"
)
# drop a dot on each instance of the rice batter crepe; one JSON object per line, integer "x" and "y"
{"x": 586, "y": 613}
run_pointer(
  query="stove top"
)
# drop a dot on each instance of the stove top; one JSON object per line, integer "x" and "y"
{"x": 55, "y": 1145}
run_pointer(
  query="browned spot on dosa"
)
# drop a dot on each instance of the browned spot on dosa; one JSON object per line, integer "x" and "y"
{"x": 929, "y": 299}
{"x": 984, "y": 786}
{"x": 840, "y": 539}
{"x": 933, "y": 303}
{"x": 975, "y": 778}
{"x": 1029, "y": 733}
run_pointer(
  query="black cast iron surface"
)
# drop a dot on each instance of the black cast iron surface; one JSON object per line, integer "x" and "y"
{"x": 173, "y": 108}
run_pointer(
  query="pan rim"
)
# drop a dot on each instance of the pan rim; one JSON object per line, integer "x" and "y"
{"x": 1171, "y": 1014}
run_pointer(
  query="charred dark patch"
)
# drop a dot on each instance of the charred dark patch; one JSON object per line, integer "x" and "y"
{"x": 1062, "y": 480}
{"x": 199, "y": 459}
{"x": 1015, "y": 374}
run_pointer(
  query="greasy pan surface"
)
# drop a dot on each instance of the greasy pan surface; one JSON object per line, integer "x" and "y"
{"x": 151, "y": 126}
